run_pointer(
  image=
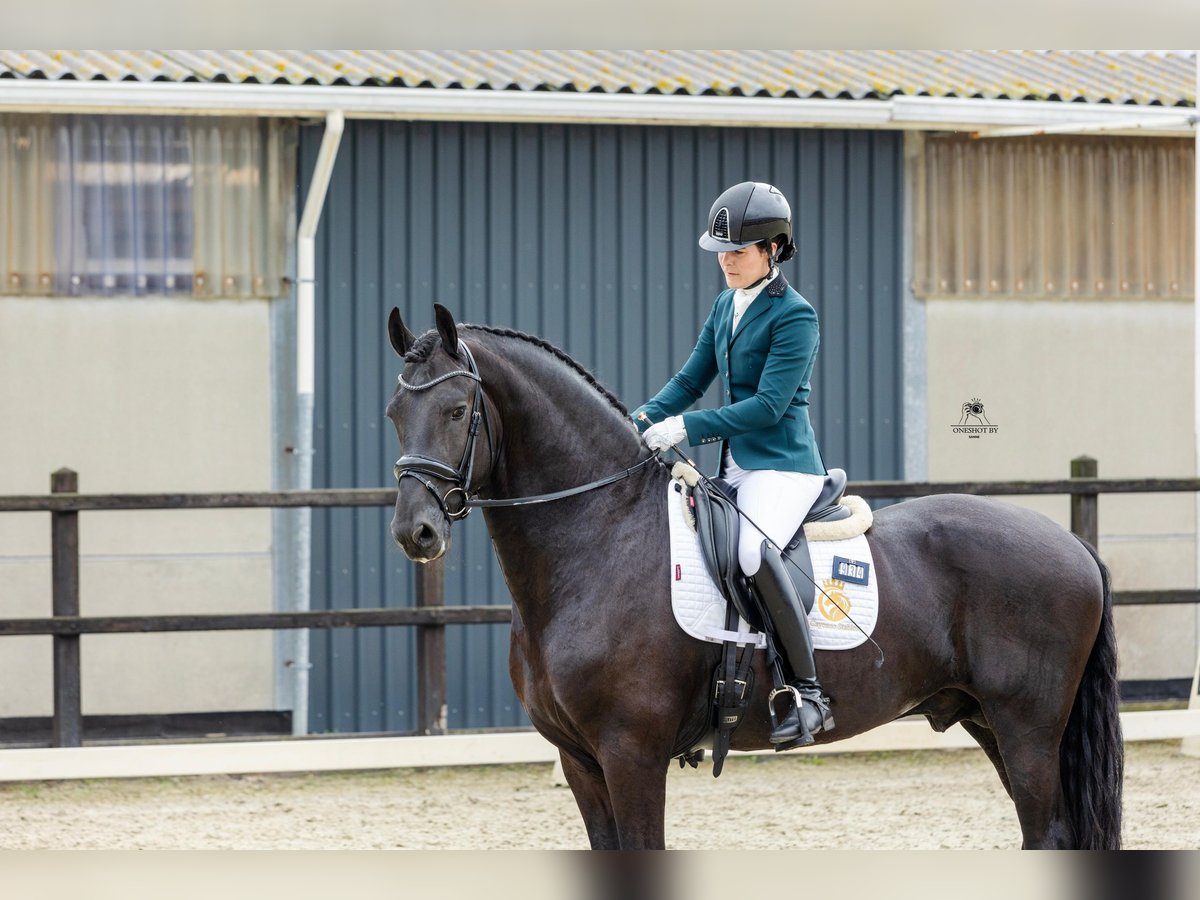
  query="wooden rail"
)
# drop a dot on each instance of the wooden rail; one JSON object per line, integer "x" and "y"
{"x": 75, "y": 502}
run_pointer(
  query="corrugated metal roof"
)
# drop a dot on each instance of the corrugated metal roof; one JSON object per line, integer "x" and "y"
{"x": 1161, "y": 77}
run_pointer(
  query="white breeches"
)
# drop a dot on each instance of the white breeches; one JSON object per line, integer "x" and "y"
{"x": 776, "y": 501}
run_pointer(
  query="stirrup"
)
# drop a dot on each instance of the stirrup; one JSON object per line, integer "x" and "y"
{"x": 805, "y": 736}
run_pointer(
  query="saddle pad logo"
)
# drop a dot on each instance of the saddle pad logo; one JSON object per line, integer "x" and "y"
{"x": 851, "y": 570}
{"x": 833, "y": 602}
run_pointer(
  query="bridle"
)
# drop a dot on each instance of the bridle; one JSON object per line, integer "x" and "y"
{"x": 457, "y": 502}
{"x": 414, "y": 465}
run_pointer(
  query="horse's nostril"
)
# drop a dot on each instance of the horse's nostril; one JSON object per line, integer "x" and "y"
{"x": 423, "y": 535}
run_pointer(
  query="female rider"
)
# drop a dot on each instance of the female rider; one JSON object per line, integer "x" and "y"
{"x": 761, "y": 338}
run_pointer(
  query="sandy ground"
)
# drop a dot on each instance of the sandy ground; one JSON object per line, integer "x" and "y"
{"x": 946, "y": 799}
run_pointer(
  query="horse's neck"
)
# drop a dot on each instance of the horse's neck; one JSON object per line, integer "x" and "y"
{"x": 557, "y": 557}
{"x": 558, "y": 432}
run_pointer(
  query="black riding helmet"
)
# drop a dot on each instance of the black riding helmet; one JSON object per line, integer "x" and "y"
{"x": 749, "y": 213}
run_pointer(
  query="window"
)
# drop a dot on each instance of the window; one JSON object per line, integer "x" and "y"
{"x": 1086, "y": 217}
{"x": 122, "y": 205}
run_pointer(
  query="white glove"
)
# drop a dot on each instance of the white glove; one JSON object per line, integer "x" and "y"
{"x": 666, "y": 433}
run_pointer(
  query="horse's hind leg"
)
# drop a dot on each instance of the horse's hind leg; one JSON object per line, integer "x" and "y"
{"x": 591, "y": 796}
{"x": 1029, "y": 747}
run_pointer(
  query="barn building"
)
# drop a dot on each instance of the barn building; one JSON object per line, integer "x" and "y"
{"x": 151, "y": 271}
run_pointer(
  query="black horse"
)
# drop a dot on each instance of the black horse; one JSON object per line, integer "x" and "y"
{"x": 990, "y": 615}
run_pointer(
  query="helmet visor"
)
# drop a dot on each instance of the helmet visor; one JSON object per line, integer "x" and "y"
{"x": 708, "y": 242}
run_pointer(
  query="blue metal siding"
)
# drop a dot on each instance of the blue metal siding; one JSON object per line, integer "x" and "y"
{"x": 585, "y": 235}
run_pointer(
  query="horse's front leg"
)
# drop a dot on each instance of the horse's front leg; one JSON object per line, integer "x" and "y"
{"x": 637, "y": 789}
{"x": 591, "y": 796}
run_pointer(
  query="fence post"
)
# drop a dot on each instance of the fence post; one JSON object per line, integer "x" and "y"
{"x": 431, "y": 652}
{"x": 64, "y": 556}
{"x": 1085, "y": 513}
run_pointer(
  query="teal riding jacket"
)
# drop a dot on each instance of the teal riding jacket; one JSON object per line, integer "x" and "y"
{"x": 765, "y": 369}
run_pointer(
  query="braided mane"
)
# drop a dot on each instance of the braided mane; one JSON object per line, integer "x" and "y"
{"x": 424, "y": 346}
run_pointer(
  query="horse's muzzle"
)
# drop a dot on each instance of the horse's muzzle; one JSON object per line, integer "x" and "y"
{"x": 420, "y": 539}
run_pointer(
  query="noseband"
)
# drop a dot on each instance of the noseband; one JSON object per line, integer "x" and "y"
{"x": 416, "y": 466}
{"x": 421, "y": 468}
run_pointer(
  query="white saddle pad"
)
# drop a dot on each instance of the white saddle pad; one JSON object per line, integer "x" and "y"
{"x": 843, "y": 569}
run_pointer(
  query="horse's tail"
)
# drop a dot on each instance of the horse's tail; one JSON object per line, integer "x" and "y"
{"x": 1091, "y": 757}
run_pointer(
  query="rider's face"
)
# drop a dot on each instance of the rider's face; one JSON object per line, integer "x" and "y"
{"x": 745, "y": 266}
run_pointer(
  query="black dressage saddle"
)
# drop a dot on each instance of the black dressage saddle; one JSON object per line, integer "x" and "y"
{"x": 718, "y": 526}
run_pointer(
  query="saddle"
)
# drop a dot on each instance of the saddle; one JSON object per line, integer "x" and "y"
{"x": 719, "y": 525}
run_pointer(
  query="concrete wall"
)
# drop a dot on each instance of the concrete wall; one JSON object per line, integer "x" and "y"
{"x": 1109, "y": 379}
{"x": 139, "y": 395}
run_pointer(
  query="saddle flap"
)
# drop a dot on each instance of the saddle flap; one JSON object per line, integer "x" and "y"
{"x": 717, "y": 526}
{"x": 718, "y": 531}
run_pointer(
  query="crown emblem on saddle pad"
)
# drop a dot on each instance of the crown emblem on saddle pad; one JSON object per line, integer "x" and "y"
{"x": 832, "y": 601}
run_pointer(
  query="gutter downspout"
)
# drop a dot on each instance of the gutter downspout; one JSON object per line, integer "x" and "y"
{"x": 305, "y": 384}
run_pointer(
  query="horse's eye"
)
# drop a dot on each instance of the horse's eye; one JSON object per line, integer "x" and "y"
{"x": 458, "y": 412}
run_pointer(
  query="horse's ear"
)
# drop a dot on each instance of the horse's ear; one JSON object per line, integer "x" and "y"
{"x": 401, "y": 338}
{"x": 447, "y": 329}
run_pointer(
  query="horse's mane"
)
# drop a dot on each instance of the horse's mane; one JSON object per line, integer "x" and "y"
{"x": 424, "y": 346}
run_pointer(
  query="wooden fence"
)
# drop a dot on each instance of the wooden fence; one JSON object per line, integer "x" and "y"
{"x": 430, "y": 616}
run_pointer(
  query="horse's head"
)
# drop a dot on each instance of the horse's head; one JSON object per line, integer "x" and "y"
{"x": 439, "y": 414}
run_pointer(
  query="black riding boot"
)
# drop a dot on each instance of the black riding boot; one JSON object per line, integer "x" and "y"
{"x": 790, "y": 627}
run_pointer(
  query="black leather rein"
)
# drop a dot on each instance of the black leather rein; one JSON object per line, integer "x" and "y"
{"x": 418, "y": 467}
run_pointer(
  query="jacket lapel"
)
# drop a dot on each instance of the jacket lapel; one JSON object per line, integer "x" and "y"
{"x": 757, "y": 307}
{"x": 724, "y": 327}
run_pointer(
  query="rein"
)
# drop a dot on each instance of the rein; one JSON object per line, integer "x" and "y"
{"x": 464, "y": 499}
{"x": 567, "y": 492}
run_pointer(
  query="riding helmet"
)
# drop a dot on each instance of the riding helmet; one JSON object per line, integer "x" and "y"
{"x": 746, "y": 214}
